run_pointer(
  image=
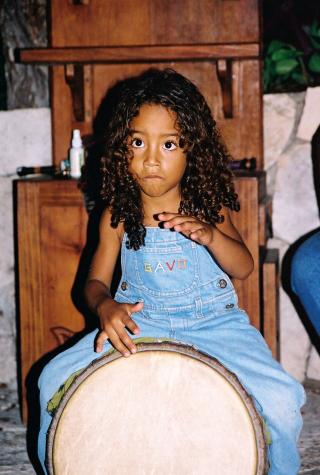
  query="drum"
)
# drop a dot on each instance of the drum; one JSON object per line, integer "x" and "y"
{"x": 168, "y": 409}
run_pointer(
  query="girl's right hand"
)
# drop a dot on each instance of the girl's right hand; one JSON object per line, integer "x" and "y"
{"x": 114, "y": 319}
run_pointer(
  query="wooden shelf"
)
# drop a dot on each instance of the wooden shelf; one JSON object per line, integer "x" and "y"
{"x": 122, "y": 54}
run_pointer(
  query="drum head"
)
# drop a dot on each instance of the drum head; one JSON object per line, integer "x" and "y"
{"x": 168, "y": 409}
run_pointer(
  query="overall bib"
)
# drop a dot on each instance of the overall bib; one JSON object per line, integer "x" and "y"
{"x": 187, "y": 297}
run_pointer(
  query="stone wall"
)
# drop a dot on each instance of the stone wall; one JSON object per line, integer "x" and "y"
{"x": 25, "y": 141}
{"x": 23, "y": 24}
{"x": 289, "y": 122}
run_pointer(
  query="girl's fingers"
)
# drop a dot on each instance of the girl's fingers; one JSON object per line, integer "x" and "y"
{"x": 178, "y": 220}
{"x": 117, "y": 333}
{"x": 127, "y": 342}
{"x": 202, "y": 236}
{"x": 188, "y": 227}
{"x": 132, "y": 326}
{"x": 100, "y": 341}
{"x": 197, "y": 234}
{"x": 169, "y": 217}
{"x": 136, "y": 307}
{"x": 129, "y": 323}
{"x": 166, "y": 216}
{"x": 119, "y": 339}
{"x": 116, "y": 338}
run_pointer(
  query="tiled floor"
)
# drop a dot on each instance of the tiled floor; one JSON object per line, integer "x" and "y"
{"x": 14, "y": 459}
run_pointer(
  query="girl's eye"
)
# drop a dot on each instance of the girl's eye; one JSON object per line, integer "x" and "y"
{"x": 169, "y": 145}
{"x": 137, "y": 143}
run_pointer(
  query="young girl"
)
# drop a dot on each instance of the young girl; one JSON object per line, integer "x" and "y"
{"x": 169, "y": 197}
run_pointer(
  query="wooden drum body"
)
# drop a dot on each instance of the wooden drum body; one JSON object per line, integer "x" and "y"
{"x": 166, "y": 410}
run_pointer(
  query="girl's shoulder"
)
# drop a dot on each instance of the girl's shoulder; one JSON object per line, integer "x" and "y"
{"x": 227, "y": 226}
{"x": 106, "y": 228}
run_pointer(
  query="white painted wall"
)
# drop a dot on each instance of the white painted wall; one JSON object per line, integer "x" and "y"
{"x": 25, "y": 138}
{"x": 290, "y": 121}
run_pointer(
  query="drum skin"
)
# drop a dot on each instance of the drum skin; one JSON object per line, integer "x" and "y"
{"x": 168, "y": 409}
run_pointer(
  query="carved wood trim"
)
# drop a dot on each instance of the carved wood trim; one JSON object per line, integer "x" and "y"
{"x": 224, "y": 73}
{"x": 122, "y": 54}
{"x": 79, "y": 79}
{"x": 74, "y": 79}
{"x": 62, "y": 334}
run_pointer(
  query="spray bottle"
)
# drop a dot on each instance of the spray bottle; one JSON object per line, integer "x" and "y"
{"x": 76, "y": 154}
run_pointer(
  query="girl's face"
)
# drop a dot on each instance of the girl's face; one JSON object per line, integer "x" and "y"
{"x": 158, "y": 163}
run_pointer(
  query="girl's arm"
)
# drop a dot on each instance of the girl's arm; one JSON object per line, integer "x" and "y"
{"x": 229, "y": 250}
{"x": 114, "y": 317}
{"x": 102, "y": 264}
{"x": 222, "y": 240}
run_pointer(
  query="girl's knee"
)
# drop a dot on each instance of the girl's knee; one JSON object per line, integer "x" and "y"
{"x": 52, "y": 376}
{"x": 296, "y": 395}
{"x": 284, "y": 413}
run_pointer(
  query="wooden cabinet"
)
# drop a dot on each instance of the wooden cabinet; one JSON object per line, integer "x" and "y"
{"x": 52, "y": 233}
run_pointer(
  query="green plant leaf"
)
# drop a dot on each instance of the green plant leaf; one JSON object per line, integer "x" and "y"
{"x": 315, "y": 29}
{"x": 286, "y": 66}
{"x": 267, "y": 62}
{"x": 285, "y": 54}
{"x": 315, "y": 43}
{"x": 274, "y": 45}
{"x": 314, "y": 63}
{"x": 272, "y": 67}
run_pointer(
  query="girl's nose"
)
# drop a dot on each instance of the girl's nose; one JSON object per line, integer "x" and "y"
{"x": 152, "y": 156}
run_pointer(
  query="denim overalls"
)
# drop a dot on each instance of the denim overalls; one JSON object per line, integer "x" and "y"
{"x": 189, "y": 298}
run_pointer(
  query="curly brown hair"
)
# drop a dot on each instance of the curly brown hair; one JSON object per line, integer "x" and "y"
{"x": 207, "y": 181}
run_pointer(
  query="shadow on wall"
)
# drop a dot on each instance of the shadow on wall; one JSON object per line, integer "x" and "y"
{"x": 300, "y": 274}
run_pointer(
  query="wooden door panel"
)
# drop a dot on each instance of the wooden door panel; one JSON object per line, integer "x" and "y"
{"x": 150, "y": 22}
{"x": 51, "y": 231}
{"x": 61, "y": 242}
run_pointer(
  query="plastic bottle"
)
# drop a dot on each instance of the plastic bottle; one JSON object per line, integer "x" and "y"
{"x": 76, "y": 154}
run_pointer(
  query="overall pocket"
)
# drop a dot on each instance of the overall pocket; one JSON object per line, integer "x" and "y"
{"x": 166, "y": 271}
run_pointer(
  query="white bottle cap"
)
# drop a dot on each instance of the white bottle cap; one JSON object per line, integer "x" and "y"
{"x": 76, "y": 139}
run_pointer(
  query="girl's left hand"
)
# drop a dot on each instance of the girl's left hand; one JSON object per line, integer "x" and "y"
{"x": 190, "y": 226}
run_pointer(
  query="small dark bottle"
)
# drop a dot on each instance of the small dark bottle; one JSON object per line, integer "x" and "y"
{"x": 244, "y": 164}
{"x": 51, "y": 170}
{"x": 44, "y": 170}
